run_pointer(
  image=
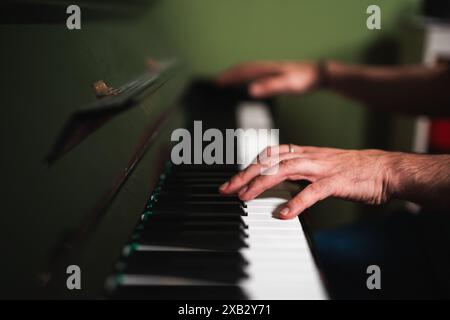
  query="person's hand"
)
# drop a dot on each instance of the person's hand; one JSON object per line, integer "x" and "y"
{"x": 268, "y": 78}
{"x": 363, "y": 176}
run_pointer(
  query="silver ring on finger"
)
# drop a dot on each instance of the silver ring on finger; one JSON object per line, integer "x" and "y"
{"x": 291, "y": 148}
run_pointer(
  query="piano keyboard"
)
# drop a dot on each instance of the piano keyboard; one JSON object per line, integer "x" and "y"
{"x": 193, "y": 243}
{"x": 282, "y": 266}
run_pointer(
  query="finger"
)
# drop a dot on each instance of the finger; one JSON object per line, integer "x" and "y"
{"x": 269, "y": 87}
{"x": 284, "y": 148}
{"x": 300, "y": 167}
{"x": 260, "y": 184}
{"x": 313, "y": 193}
{"x": 246, "y": 72}
{"x": 244, "y": 177}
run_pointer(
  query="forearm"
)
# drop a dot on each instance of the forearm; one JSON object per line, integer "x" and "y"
{"x": 410, "y": 89}
{"x": 423, "y": 179}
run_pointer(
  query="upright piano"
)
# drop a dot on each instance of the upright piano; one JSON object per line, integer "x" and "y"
{"x": 87, "y": 178}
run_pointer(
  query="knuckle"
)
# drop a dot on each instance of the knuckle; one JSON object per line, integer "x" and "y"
{"x": 238, "y": 178}
{"x": 316, "y": 188}
{"x": 296, "y": 201}
{"x": 287, "y": 163}
{"x": 254, "y": 185}
{"x": 290, "y": 163}
{"x": 251, "y": 168}
{"x": 323, "y": 188}
{"x": 260, "y": 182}
{"x": 241, "y": 176}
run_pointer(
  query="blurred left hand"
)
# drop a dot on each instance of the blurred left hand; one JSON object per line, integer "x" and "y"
{"x": 361, "y": 176}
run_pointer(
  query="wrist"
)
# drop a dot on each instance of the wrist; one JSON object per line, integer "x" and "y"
{"x": 393, "y": 174}
{"x": 409, "y": 176}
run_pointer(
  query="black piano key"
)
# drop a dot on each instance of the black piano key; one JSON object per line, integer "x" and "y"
{"x": 217, "y": 175}
{"x": 194, "y": 218}
{"x": 192, "y": 227}
{"x": 198, "y": 207}
{"x": 194, "y": 188}
{"x": 202, "y": 234}
{"x": 189, "y": 231}
{"x": 179, "y": 180}
{"x": 196, "y": 201}
{"x": 188, "y": 220}
{"x": 177, "y": 196}
{"x": 186, "y": 212}
{"x": 202, "y": 259}
{"x": 216, "y": 244}
{"x": 223, "y": 267}
{"x": 162, "y": 257}
{"x": 156, "y": 222}
{"x": 174, "y": 292}
{"x": 204, "y": 168}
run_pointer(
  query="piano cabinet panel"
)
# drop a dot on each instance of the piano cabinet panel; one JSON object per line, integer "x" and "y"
{"x": 47, "y": 74}
{"x": 104, "y": 246}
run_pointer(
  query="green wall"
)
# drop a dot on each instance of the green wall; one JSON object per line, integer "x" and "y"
{"x": 212, "y": 35}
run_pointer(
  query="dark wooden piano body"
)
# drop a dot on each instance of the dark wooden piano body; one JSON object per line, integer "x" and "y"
{"x": 92, "y": 194}
{"x": 78, "y": 170}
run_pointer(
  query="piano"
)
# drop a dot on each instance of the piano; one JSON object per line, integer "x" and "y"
{"x": 193, "y": 243}
{"x": 88, "y": 177}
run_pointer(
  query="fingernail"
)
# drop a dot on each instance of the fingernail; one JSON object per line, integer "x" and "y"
{"x": 243, "y": 190}
{"x": 284, "y": 212}
{"x": 224, "y": 186}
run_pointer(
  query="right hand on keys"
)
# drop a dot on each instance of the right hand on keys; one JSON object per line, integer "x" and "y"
{"x": 368, "y": 176}
{"x": 269, "y": 78}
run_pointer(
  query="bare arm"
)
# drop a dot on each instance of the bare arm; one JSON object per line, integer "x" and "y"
{"x": 424, "y": 179}
{"x": 410, "y": 89}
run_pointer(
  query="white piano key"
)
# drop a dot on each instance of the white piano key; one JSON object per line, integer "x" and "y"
{"x": 281, "y": 265}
